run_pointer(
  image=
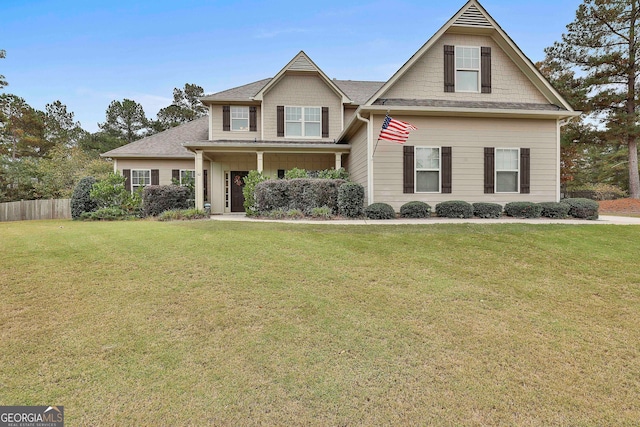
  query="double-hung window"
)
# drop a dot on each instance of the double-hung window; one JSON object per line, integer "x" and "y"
{"x": 140, "y": 178}
{"x": 467, "y": 69}
{"x": 427, "y": 169}
{"x": 303, "y": 121}
{"x": 507, "y": 170}
{"x": 240, "y": 118}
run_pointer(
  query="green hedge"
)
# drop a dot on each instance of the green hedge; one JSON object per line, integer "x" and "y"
{"x": 301, "y": 194}
{"x": 159, "y": 198}
{"x": 379, "y": 211}
{"x": 554, "y": 210}
{"x": 454, "y": 209}
{"x": 415, "y": 209}
{"x": 582, "y": 208}
{"x": 351, "y": 200}
{"x": 487, "y": 210}
{"x": 523, "y": 209}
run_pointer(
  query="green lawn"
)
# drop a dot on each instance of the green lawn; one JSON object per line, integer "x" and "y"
{"x": 226, "y": 324}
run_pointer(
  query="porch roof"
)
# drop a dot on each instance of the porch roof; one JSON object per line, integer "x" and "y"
{"x": 294, "y": 146}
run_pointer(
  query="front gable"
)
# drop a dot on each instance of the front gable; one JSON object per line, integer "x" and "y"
{"x": 504, "y": 73}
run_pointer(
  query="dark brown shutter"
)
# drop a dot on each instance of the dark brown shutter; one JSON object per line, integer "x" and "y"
{"x": 280, "y": 119}
{"x": 226, "y": 118}
{"x": 325, "y": 122}
{"x": 489, "y": 170}
{"x": 485, "y": 67}
{"x": 155, "y": 177}
{"x": 175, "y": 174}
{"x": 446, "y": 169}
{"x": 205, "y": 181}
{"x": 253, "y": 119}
{"x": 127, "y": 179}
{"x": 408, "y": 169}
{"x": 525, "y": 171}
{"x": 449, "y": 68}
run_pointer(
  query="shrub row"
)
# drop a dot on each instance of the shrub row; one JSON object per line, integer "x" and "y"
{"x": 304, "y": 195}
{"x": 577, "y": 208}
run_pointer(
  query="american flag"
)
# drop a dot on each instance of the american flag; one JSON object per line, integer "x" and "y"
{"x": 395, "y": 130}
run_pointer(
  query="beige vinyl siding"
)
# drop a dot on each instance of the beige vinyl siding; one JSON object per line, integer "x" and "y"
{"x": 425, "y": 80}
{"x": 349, "y": 112}
{"x": 468, "y": 137}
{"x": 216, "y": 126}
{"x": 164, "y": 166}
{"x": 301, "y": 91}
{"x": 356, "y": 161}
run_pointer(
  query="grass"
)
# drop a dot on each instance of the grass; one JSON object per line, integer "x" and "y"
{"x": 210, "y": 323}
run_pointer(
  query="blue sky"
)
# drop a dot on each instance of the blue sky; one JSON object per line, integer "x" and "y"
{"x": 88, "y": 53}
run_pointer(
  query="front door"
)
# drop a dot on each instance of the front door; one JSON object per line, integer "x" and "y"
{"x": 237, "y": 184}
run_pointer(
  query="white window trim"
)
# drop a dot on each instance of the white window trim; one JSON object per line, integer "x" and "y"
{"x": 136, "y": 186}
{"x": 479, "y": 69}
{"x": 496, "y": 170}
{"x": 187, "y": 170}
{"x": 416, "y": 170}
{"x": 302, "y": 121}
{"x": 231, "y": 119}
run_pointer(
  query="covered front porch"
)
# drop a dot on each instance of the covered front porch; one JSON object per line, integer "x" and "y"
{"x": 229, "y": 163}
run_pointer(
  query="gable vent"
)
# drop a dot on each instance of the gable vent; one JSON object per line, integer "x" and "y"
{"x": 301, "y": 64}
{"x": 473, "y": 17}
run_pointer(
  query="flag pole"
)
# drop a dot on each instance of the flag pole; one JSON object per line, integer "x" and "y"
{"x": 378, "y": 140}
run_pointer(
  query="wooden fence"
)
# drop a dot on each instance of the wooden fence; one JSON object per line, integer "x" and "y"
{"x": 35, "y": 209}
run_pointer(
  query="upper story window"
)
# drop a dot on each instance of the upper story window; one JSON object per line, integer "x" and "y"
{"x": 303, "y": 121}
{"x": 239, "y": 118}
{"x": 507, "y": 170}
{"x": 467, "y": 69}
{"x": 427, "y": 169}
{"x": 140, "y": 178}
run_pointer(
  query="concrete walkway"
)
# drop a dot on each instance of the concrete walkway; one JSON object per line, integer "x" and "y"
{"x": 604, "y": 219}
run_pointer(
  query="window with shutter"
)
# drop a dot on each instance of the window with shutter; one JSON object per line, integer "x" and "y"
{"x": 126, "y": 173}
{"x": 446, "y": 170}
{"x": 485, "y": 67}
{"x": 253, "y": 119}
{"x": 525, "y": 171}
{"x": 280, "y": 120}
{"x": 155, "y": 177}
{"x": 489, "y": 167}
{"x": 449, "y": 69}
{"x": 408, "y": 169}
{"x": 226, "y": 118}
{"x": 325, "y": 122}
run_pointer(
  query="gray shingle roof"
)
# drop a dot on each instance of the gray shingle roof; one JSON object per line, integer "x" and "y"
{"x": 167, "y": 143}
{"x": 398, "y": 102}
{"x": 240, "y": 93}
{"x": 358, "y": 91}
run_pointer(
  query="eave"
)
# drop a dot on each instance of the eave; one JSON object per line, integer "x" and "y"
{"x": 271, "y": 147}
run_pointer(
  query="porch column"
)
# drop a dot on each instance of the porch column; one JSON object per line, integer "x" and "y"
{"x": 199, "y": 181}
{"x": 338, "y": 160}
{"x": 260, "y": 161}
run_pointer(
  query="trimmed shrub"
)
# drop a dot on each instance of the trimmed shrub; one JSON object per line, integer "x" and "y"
{"x": 523, "y": 209}
{"x": 182, "y": 215}
{"x": 159, "y": 198}
{"x": 111, "y": 213}
{"x": 81, "y": 200}
{"x": 248, "y": 191}
{"x": 333, "y": 174}
{"x": 487, "y": 210}
{"x": 582, "y": 208}
{"x": 415, "y": 210}
{"x": 302, "y": 194}
{"x": 351, "y": 200}
{"x": 454, "y": 209}
{"x": 379, "y": 211}
{"x": 554, "y": 210}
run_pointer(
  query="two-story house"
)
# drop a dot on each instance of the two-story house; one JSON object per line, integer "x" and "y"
{"x": 488, "y": 127}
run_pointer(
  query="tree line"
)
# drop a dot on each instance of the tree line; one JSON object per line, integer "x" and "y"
{"x": 595, "y": 66}
{"x": 43, "y": 154}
